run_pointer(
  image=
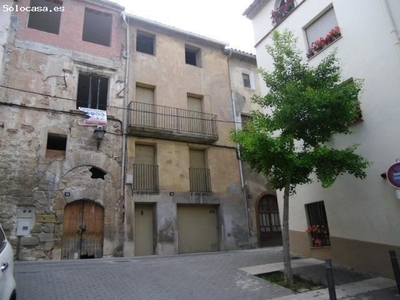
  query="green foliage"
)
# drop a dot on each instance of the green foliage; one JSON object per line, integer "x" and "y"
{"x": 299, "y": 284}
{"x": 305, "y": 106}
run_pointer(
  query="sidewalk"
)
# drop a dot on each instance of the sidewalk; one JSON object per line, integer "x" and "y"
{"x": 349, "y": 284}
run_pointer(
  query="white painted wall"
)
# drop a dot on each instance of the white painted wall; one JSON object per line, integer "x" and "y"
{"x": 367, "y": 209}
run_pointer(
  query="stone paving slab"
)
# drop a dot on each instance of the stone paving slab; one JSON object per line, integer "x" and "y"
{"x": 269, "y": 268}
{"x": 196, "y": 277}
{"x": 347, "y": 291}
{"x": 214, "y": 276}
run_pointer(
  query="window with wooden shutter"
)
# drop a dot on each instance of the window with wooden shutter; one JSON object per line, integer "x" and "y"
{"x": 321, "y": 27}
{"x": 145, "y": 170}
{"x": 199, "y": 175}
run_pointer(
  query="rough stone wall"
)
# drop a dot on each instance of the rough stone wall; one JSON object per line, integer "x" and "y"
{"x": 39, "y": 97}
{"x": 30, "y": 179}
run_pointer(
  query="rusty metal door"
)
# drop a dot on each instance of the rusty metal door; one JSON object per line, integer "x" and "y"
{"x": 83, "y": 230}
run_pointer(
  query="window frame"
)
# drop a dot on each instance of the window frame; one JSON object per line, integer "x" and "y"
{"x": 246, "y": 81}
{"x": 196, "y": 52}
{"x": 316, "y": 43}
{"x": 89, "y": 28}
{"x": 56, "y": 145}
{"x": 145, "y": 35}
{"x": 318, "y": 227}
{"x": 40, "y": 22}
{"x": 99, "y": 101}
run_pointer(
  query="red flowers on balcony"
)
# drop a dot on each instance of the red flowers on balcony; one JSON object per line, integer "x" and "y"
{"x": 320, "y": 44}
{"x": 281, "y": 13}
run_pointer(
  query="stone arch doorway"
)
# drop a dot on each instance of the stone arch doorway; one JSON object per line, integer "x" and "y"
{"x": 83, "y": 228}
{"x": 268, "y": 222}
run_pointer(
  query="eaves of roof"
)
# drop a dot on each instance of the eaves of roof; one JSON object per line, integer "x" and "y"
{"x": 169, "y": 28}
{"x": 254, "y": 8}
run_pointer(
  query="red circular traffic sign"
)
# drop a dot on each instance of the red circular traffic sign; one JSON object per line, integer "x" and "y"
{"x": 393, "y": 175}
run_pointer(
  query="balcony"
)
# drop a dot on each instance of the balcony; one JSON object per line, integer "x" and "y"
{"x": 284, "y": 9}
{"x": 200, "y": 180}
{"x": 145, "y": 178}
{"x": 156, "y": 121}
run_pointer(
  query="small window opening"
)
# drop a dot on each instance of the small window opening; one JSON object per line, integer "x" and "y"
{"x": 97, "y": 173}
{"x": 49, "y": 18}
{"x": 97, "y": 27}
{"x": 145, "y": 43}
{"x": 192, "y": 56}
{"x": 56, "y": 145}
{"x": 246, "y": 80}
{"x": 92, "y": 92}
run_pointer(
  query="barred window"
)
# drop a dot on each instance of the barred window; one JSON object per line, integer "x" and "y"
{"x": 318, "y": 228}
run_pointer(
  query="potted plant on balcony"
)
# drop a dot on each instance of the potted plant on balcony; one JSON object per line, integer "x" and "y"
{"x": 282, "y": 11}
{"x": 319, "y": 235}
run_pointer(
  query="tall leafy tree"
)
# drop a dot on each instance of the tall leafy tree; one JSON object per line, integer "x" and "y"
{"x": 304, "y": 107}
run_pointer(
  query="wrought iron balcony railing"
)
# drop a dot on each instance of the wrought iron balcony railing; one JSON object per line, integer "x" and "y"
{"x": 145, "y": 178}
{"x": 150, "y": 120}
{"x": 200, "y": 180}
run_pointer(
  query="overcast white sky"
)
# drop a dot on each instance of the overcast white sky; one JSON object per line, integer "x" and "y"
{"x": 218, "y": 19}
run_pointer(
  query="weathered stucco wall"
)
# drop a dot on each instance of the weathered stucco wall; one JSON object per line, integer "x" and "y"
{"x": 173, "y": 161}
{"x": 172, "y": 79}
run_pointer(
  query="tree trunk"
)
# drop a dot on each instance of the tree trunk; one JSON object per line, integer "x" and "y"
{"x": 288, "y": 274}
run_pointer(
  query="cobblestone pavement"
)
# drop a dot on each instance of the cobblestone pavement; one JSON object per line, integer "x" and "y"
{"x": 184, "y": 277}
{"x": 207, "y": 276}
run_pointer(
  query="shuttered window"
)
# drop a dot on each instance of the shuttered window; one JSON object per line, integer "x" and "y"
{"x": 321, "y": 27}
{"x": 145, "y": 170}
{"x": 144, "y": 154}
{"x": 197, "y": 158}
{"x": 194, "y": 104}
{"x": 144, "y": 95}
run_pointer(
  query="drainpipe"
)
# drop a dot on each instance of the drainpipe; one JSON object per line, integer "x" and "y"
{"x": 393, "y": 29}
{"x": 241, "y": 172}
{"x": 125, "y": 115}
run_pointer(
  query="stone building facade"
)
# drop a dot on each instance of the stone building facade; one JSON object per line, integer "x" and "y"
{"x": 49, "y": 160}
{"x": 164, "y": 178}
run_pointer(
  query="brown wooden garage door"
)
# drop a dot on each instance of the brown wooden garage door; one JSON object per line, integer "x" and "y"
{"x": 197, "y": 228}
{"x": 82, "y": 230}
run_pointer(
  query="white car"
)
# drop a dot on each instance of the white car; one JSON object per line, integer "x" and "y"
{"x": 7, "y": 282}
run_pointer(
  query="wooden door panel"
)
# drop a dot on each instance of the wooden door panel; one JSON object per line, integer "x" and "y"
{"x": 269, "y": 227}
{"x": 71, "y": 238}
{"x": 144, "y": 244}
{"x": 82, "y": 230}
{"x": 92, "y": 235}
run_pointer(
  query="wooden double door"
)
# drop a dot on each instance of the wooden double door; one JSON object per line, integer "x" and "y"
{"x": 82, "y": 230}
